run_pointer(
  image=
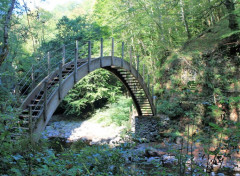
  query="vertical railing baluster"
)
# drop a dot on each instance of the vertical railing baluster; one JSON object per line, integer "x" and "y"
{"x": 60, "y": 81}
{"x": 89, "y": 56}
{"x": 45, "y": 100}
{"x": 112, "y": 52}
{"x": 122, "y": 54}
{"x": 17, "y": 93}
{"x": 152, "y": 92}
{"x": 101, "y": 52}
{"x": 49, "y": 63}
{"x": 137, "y": 66}
{"x": 75, "y": 62}
{"x": 30, "y": 122}
{"x": 130, "y": 59}
{"x": 63, "y": 54}
{"x": 148, "y": 83}
{"x": 33, "y": 77}
{"x": 143, "y": 74}
{"x": 154, "y": 103}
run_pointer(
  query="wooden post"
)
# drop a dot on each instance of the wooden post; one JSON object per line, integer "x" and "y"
{"x": 60, "y": 81}
{"x": 152, "y": 92}
{"x": 31, "y": 139}
{"x": 143, "y": 74}
{"x": 122, "y": 54}
{"x": 137, "y": 66}
{"x": 130, "y": 59}
{"x": 101, "y": 52}
{"x": 49, "y": 63}
{"x": 30, "y": 122}
{"x": 148, "y": 83}
{"x": 89, "y": 55}
{"x": 33, "y": 77}
{"x": 75, "y": 62}
{"x": 153, "y": 98}
{"x": 17, "y": 92}
{"x": 45, "y": 100}
{"x": 112, "y": 51}
{"x": 63, "y": 54}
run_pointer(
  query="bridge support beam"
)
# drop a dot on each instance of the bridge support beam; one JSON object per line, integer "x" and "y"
{"x": 112, "y": 61}
{"x": 63, "y": 54}
{"x": 60, "y": 81}
{"x": 75, "y": 62}
{"x": 89, "y": 56}
{"x": 45, "y": 101}
{"x": 122, "y": 54}
{"x": 101, "y": 52}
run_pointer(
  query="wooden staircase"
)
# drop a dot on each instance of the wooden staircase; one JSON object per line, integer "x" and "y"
{"x": 137, "y": 91}
{"x": 37, "y": 103}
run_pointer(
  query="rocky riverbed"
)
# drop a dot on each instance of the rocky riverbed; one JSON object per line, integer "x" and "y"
{"x": 89, "y": 130}
{"x": 94, "y": 133}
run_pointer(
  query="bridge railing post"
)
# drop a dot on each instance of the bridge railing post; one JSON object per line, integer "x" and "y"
{"x": 30, "y": 123}
{"x": 154, "y": 100}
{"x": 112, "y": 62}
{"x": 60, "y": 81}
{"x": 122, "y": 54}
{"x": 89, "y": 55}
{"x": 75, "y": 62}
{"x": 45, "y": 100}
{"x": 49, "y": 63}
{"x": 63, "y": 54}
{"x": 137, "y": 66}
{"x": 33, "y": 77}
{"x": 148, "y": 83}
{"x": 143, "y": 74}
{"x": 101, "y": 52}
{"x": 130, "y": 52}
{"x": 17, "y": 93}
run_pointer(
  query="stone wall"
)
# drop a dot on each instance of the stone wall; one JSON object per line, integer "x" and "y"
{"x": 148, "y": 127}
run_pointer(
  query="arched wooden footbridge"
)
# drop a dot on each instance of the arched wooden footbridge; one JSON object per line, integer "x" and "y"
{"x": 40, "y": 103}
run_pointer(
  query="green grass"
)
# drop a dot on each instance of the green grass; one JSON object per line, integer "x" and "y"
{"x": 114, "y": 113}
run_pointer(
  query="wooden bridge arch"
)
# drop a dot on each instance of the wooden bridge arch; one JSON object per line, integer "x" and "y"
{"x": 44, "y": 99}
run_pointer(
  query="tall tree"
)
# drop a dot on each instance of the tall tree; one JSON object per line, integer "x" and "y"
{"x": 6, "y": 28}
{"x": 230, "y": 5}
{"x": 184, "y": 19}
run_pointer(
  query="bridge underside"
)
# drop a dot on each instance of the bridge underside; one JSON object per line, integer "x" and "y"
{"x": 58, "y": 84}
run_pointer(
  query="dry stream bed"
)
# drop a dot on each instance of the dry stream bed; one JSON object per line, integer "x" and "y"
{"x": 141, "y": 155}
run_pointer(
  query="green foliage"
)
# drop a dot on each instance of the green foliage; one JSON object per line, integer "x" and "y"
{"x": 115, "y": 113}
{"x": 91, "y": 92}
{"x": 172, "y": 109}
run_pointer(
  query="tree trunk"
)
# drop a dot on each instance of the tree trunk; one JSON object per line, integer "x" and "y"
{"x": 233, "y": 24}
{"x": 184, "y": 18}
{"x": 5, "y": 49}
{"x": 211, "y": 15}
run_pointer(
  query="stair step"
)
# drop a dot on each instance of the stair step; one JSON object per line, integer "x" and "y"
{"x": 131, "y": 78}
{"x": 37, "y": 100}
{"x": 35, "y": 105}
{"x": 25, "y": 111}
{"x": 39, "y": 96}
{"x": 66, "y": 71}
{"x": 26, "y": 116}
{"x": 22, "y": 128}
